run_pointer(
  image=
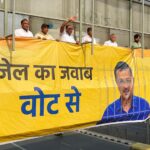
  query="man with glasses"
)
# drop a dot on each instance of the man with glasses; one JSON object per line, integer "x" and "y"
{"x": 128, "y": 107}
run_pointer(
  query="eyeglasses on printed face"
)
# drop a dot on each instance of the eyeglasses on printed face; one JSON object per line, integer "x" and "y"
{"x": 125, "y": 81}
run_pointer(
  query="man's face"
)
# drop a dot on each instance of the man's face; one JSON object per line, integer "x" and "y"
{"x": 124, "y": 81}
{"x": 90, "y": 33}
{"x": 69, "y": 30}
{"x": 45, "y": 30}
{"x": 25, "y": 25}
{"x": 137, "y": 39}
{"x": 113, "y": 38}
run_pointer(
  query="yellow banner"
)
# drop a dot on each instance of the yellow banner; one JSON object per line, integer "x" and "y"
{"x": 49, "y": 87}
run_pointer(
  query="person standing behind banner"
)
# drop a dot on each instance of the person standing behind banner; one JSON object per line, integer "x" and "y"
{"x": 24, "y": 31}
{"x": 43, "y": 34}
{"x": 112, "y": 41}
{"x": 88, "y": 37}
{"x": 136, "y": 43}
{"x": 128, "y": 107}
{"x": 66, "y": 31}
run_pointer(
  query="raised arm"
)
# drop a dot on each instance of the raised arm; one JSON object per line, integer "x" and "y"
{"x": 72, "y": 19}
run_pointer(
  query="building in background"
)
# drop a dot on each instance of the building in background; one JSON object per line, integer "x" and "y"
{"x": 109, "y": 17}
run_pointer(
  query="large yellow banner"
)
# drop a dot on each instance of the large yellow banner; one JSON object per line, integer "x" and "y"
{"x": 49, "y": 87}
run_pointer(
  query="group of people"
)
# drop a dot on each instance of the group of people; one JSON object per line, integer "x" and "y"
{"x": 66, "y": 34}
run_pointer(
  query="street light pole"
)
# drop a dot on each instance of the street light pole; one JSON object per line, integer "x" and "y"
{"x": 131, "y": 22}
{"x": 5, "y": 17}
{"x": 92, "y": 44}
{"x": 13, "y": 25}
{"x": 80, "y": 16}
{"x": 142, "y": 28}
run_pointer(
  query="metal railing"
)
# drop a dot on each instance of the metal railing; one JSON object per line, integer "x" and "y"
{"x": 81, "y": 23}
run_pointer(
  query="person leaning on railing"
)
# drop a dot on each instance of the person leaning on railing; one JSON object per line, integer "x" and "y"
{"x": 111, "y": 41}
{"x": 24, "y": 30}
{"x": 66, "y": 31}
{"x": 136, "y": 44}
{"x": 88, "y": 37}
{"x": 43, "y": 34}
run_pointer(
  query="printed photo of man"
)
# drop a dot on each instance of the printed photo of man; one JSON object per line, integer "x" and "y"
{"x": 128, "y": 107}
